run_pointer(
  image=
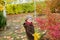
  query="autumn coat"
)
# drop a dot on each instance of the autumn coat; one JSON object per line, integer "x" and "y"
{"x": 29, "y": 30}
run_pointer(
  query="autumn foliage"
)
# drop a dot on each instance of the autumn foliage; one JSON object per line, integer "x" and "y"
{"x": 50, "y": 23}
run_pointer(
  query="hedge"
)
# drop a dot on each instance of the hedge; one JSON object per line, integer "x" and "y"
{"x": 19, "y": 8}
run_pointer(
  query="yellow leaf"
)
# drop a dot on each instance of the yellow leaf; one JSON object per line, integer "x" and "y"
{"x": 1, "y": 7}
{"x": 36, "y": 36}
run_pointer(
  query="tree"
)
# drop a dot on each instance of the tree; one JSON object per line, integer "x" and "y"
{"x": 55, "y": 4}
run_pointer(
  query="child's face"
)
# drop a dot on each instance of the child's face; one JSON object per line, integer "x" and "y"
{"x": 29, "y": 20}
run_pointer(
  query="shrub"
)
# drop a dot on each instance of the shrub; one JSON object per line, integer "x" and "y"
{"x": 9, "y": 9}
{"x": 2, "y": 20}
{"x": 50, "y": 25}
{"x": 19, "y": 8}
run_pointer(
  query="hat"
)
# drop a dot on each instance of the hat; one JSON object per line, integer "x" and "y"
{"x": 29, "y": 16}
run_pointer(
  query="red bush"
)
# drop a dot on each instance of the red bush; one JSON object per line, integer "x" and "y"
{"x": 43, "y": 23}
{"x": 53, "y": 30}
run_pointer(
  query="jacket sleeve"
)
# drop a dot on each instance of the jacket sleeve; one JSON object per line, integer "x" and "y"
{"x": 24, "y": 25}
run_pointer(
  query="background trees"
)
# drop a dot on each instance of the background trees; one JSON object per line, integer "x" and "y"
{"x": 54, "y": 5}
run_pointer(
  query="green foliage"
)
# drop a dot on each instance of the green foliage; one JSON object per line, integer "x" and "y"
{"x": 9, "y": 8}
{"x": 2, "y": 20}
{"x": 28, "y": 8}
{"x": 19, "y": 8}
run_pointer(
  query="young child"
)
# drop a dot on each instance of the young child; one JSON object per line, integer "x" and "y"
{"x": 28, "y": 25}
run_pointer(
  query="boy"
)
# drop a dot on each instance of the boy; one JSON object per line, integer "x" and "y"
{"x": 28, "y": 25}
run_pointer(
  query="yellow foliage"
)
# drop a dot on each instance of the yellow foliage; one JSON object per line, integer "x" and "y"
{"x": 36, "y": 36}
{"x": 1, "y": 7}
{"x": 9, "y": 0}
